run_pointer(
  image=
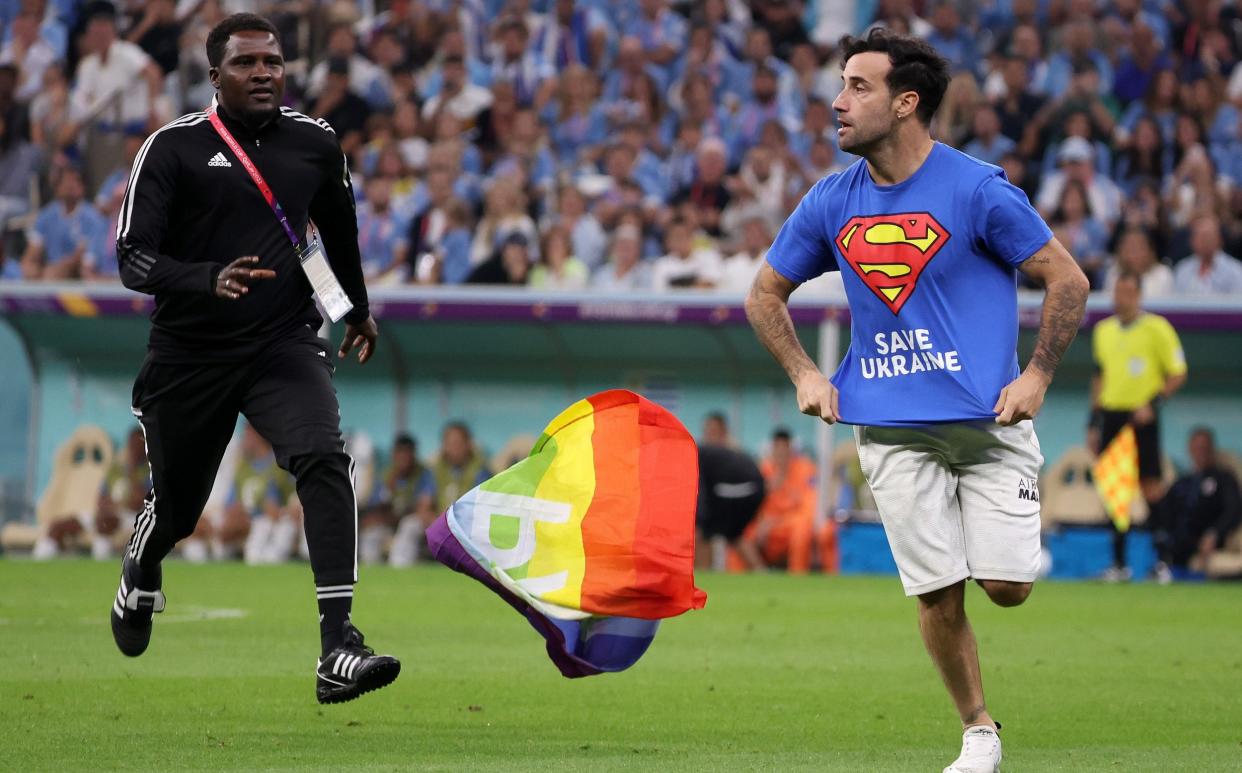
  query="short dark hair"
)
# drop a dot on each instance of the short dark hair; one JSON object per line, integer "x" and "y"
{"x": 782, "y": 433}
{"x": 916, "y": 67}
{"x": 1206, "y": 431}
{"x": 219, "y": 36}
{"x": 403, "y": 440}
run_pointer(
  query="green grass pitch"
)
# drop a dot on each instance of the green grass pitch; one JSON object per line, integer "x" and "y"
{"x": 777, "y": 674}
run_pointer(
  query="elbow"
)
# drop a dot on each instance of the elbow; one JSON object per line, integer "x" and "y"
{"x": 752, "y": 304}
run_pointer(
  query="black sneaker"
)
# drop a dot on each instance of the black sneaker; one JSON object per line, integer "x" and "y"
{"x": 132, "y": 610}
{"x": 352, "y": 669}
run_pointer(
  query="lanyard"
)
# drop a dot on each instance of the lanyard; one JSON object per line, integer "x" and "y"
{"x": 253, "y": 171}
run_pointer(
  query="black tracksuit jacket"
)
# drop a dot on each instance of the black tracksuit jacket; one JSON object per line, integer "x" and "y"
{"x": 191, "y": 208}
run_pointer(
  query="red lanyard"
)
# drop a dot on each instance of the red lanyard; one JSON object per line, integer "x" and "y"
{"x": 253, "y": 171}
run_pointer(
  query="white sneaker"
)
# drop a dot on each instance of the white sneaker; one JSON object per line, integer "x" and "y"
{"x": 1115, "y": 574}
{"x": 981, "y": 752}
{"x": 101, "y": 547}
{"x": 1162, "y": 574}
{"x": 45, "y": 549}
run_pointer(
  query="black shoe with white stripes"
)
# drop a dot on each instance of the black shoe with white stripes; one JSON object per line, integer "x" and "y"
{"x": 352, "y": 669}
{"x": 133, "y": 607}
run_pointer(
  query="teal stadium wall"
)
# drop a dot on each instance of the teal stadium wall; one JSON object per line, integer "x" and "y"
{"x": 510, "y": 376}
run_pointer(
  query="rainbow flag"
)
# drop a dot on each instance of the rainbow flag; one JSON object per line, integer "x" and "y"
{"x": 1117, "y": 478}
{"x": 591, "y": 537}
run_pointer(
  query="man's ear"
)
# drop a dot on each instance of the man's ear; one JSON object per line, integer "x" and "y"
{"x": 907, "y": 103}
{"x": 213, "y": 74}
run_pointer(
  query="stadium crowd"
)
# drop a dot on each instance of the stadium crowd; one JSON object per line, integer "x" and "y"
{"x": 642, "y": 145}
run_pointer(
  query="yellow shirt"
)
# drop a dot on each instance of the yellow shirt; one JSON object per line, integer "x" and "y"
{"x": 1135, "y": 360}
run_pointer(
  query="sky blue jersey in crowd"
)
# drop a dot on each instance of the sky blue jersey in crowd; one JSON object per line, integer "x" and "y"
{"x": 929, "y": 266}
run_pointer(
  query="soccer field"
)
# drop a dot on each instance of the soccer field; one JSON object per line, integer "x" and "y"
{"x": 777, "y": 673}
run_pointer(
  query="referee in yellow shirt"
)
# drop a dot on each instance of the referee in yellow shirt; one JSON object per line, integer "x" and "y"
{"x": 1139, "y": 363}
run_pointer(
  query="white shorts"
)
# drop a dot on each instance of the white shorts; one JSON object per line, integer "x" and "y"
{"x": 957, "y": 500}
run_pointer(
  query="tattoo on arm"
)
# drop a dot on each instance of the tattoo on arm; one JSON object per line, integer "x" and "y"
{"x": 1065, "y": 300}
{"x": 767, "y": 310}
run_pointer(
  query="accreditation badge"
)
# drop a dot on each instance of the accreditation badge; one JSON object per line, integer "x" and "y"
{"x": 324, "y": 282}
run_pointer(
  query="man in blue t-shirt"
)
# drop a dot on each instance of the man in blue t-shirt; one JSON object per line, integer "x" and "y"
{"x": 928, "y": 241}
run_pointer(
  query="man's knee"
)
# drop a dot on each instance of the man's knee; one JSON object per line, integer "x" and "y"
{"x": 944, "y": 602}
{"x": 1006, "y": 594}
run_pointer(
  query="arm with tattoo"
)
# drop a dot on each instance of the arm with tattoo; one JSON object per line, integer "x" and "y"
{"x": 768, "y": 311}
{"x": 1065, "y": 299}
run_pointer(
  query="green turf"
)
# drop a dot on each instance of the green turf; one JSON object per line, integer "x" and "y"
{"x": 777, "y": 673}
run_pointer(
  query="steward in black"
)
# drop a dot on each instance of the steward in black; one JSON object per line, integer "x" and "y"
{"x": 234, "y": 332}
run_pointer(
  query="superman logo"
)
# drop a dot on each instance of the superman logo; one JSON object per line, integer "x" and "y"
{"x": 889, "y": 252}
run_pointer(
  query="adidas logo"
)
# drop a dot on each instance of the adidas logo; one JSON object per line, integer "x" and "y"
{"x": 219, "y": 160}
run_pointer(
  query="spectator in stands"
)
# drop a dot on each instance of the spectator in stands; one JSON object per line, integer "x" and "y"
{"x": 1144, "y": 158}
{"x": 684, "y": 265}
{"x": 661, "y": 32}
{"x": 383, "y": 236}
{"x": 453, "y": 255}
{"x": 558, "y": 267}
{"x": 504, "y": 215}
{"x": 1140, "y": 64}
{"x": 1202, "y": 509}
{"x": 738, "y": 271}
{"x": 29, "y": 53}
{"x": 1078, "y": 40}
{"x": 50, "y": 112}
{"x": 785, "y": 529}
{"x": 1159, "y": 103}
{"x": 459, "y": 466}
{"x": 510, "y": 265}
{"x": 362, "y": 77}
{"x": 19, "y": 172}
{"x": 106, "y": 100}
{"x": 624, "y": 270}
{"x": 708, "y": 193}
{"x": 760, "y": 107}
{"x": 953, "y": 39}
{"x": 758, "y": 189}
{"x": 1076, "y": 160}
{"x": 578, "y": 34}
{"x": 987, "y": 143}
{"x": 1019, "y": 104}
{"x": 1137, "y": 255}
{"x": 157, "y": 31}
{"x": 1140, "y": 364}
{"x": 580, "y": 125}
{"x": 458, "y": 94}
{"x": 588, "y": 237}
{"x": 67, "y": 233}
{"x": 533, "y": 80}
{"x": 952, "y": 122}
{"x": 1207, "y": 270}
{"x": 1080, "y": 231}
{"x": 402, "y": 506}
{"x": 340, "y": 106}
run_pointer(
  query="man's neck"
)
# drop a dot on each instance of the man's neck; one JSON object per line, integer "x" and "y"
{"x": 897, "y": 159}
{"x": 251, "y": 122}
{"x": 1129, "y": 318}
{"x": 69, "y": 205}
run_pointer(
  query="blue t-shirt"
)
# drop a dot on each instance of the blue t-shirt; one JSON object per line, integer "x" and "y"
{"x": 929, "y": 267}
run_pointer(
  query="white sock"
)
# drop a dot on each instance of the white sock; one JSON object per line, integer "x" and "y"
{"x": 406, "y": 542}
{"x": 280, "y": 545}
{"x": 256, "y": 541}
{"x": 371, "y": 544}
{"x": 45, "y": 548}
{"x": 194, "y": 550}
{"x": 101, "y": 547}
